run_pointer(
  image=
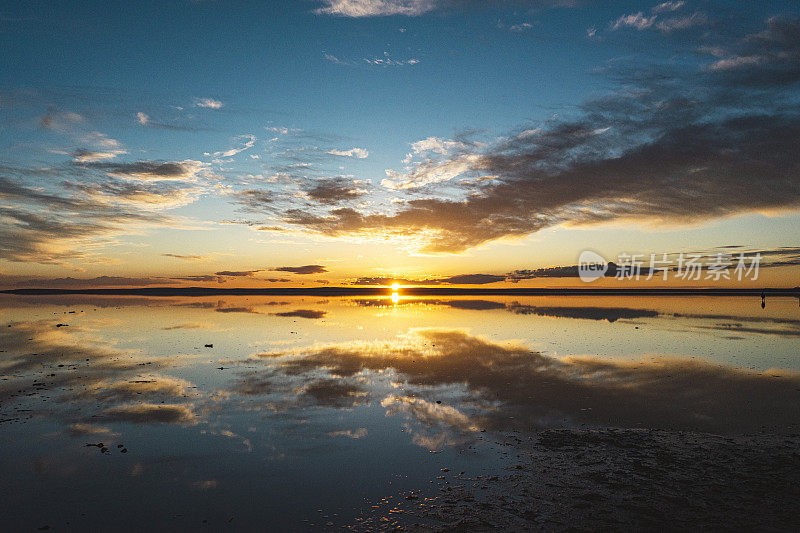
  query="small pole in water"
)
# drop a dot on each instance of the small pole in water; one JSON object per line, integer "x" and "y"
{"x": 763, "y": 299}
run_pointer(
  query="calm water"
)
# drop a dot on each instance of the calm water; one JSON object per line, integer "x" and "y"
{"x": 308, "y": 411}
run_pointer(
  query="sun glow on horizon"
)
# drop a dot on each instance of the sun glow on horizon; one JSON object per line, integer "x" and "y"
{"x": 395, "y": 287}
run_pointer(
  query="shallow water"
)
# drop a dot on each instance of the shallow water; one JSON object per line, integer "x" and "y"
{"x": 309, "y": 411}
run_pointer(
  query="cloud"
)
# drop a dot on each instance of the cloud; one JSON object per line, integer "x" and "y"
{"x": 682, "y": 23}
{"x": 79, "y": 429}
{"x": 208, "y": 103}
{"x": 187, "y": 170}
{"x": 148, "y": 413}
{"x": 101, "y": 140}
{"x": 249, "y": 142}
{"x": 60, "y": 120}
{"x": 333, "y": 59}
{"x": 358, "y": 153}
{"x": 387, "y": 61}
{"x": 521, "y": 27}
{"x": 254, "y": 200}
{"x": 204, "y": 278}
{"x": 540, "y": 391}
{"x": 637, "y": 20}
{"x": 667, "y": 7}
{"x": 185, "y": 257}
{"x": 145, "y": 120}
{"x": 127, "y": 390}
{"x": 350, "y": 433}
{"x": 148, "y": 195}
{"x": 712, "y": 143}
{"x": 302, "y": 313}
{"x": 88, "y": 156}
{"x": 376, "y": 8}
{"x": 413, "y": 8}
{"x": 641, "y": 22}
{"x": 238, "y": 273}
{"x": 473, "y": 279}
{"x": 306, "y": 269}
{"x": 80, "y": 283}
{"x": 335, "y": 190}
{"x": 610, "y": 314}
{"x": 334, "y": 393}
{"x": 50, "y": 227}
{"x": 769, "y": 59}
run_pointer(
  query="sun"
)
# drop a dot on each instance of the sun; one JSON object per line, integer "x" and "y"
{"x": 395, "y": 287}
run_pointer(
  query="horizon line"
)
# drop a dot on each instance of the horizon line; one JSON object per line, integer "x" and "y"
{"x": 405, "y": 291}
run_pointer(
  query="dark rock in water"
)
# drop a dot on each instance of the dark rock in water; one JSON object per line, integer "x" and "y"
{"x": 61, "y": 325}
{"x": 209, "y": 345}
{"x": 98, "y": 445}
{"x": 124, "y": 450}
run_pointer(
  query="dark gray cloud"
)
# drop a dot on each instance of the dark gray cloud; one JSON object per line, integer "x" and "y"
{"x": 611, "y": 314}
{"x": 255, "y": 200}
{"x": 335, "y": 190}
{"x": 77, "y": 283}
{"x": 184, "y": 257}
{"x": 305, "y": 269}
{"x": 303, "y": 313}
{"x": 473, "y": 279}
{"x": 238, "y": 273}
{"x": 149, "y": 170}
{"x": 201, "y": 278}
{"x": 767, "y": 59}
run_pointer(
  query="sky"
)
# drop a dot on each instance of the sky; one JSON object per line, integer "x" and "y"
{"x": 446, "y": 142}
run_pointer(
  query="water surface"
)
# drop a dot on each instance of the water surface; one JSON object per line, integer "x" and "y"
{"x": 280, "y": 412}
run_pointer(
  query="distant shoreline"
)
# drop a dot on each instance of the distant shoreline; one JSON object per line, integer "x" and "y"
{"x": 410, "y": 291}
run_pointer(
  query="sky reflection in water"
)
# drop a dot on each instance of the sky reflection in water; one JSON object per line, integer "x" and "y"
{"x": 303, "y": 404}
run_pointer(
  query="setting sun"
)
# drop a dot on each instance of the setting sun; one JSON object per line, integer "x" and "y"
{"x": 395, "y": 287}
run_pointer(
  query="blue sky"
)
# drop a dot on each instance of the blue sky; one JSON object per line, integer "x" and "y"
{"x": 278, "y": 115}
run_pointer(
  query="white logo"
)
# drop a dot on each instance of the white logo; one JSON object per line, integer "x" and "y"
{"x": 591, "y": 266}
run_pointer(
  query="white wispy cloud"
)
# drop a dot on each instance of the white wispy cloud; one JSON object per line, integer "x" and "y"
{"x": 249, "y": 142}
{"x": 209, "y": 103}
{"x": 100, "y": 140}
{"x": 736, "y": 62}
{"x": 667, "y": 7}
{"x": 376, "y": 8}
{"x": 641, "y": 22}
{"x": 333, "y": 59}
{"x": 682, "y": 23}
{"x": 86, "y": 156}
{"x": 358, "y": 153}
{"x": 387, "y": 61}
{"x": 521, "y": 27}
{"x": 636, "y": 20}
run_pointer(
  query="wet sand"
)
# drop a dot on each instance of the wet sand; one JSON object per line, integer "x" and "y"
{"x": 610, "y": 479}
